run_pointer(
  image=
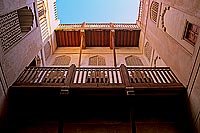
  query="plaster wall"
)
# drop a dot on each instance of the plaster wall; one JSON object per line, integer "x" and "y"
{"x": 20, "y": 56}
{"x": 181, "y": 56}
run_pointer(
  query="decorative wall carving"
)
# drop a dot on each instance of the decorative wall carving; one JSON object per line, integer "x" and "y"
{"x": 148, "y": 51}
{"x": 163, "y": 18}
{"x": 10, "y": 31}
{"x": 154, "y": 11}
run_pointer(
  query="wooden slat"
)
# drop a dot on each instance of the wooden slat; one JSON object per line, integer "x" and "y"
{"x": 162, "y": 75}
{"x": 108, "y": 76}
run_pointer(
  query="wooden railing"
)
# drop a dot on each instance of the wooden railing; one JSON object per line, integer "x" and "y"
{"x": 45, "y": 76}
{"x": 132, "y": 80}
{"x": 99, "y": 25}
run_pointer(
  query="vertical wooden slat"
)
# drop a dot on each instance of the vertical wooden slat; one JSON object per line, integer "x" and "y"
{"x": 91, "y": 75}
{"x": 87, "y": 75}
{"x": 165, "y": 73}
{"x": 171, "y": 76}
{"x": 108, "y": 75}
{"x": 29, "y": 75}
{"x": 45, "y": 77}
{"x": 66, "y": 38}
{"x": 93, "y": 38}
{"x": 59, "y": 38}
{"x": 122, "y": 38}
{"x": 117, "y": 76}
{"x": 76, "y": 38}
{"x": 63, "y": 35}
{"x": 129, "y": 38}
{"x": 100, "y": 75}
{"x": 70, "y": 38}
{"x": 132, "y": 38}
{"x": 111, "y": 39}
{"x": 162, "y": 75}
{"x": 137, "y": 75}
{"x": 23, "y": 77}
{"x": 141, "y": 75}
{"x": 108, "y": 38}
{"x": 90, "y": 38}
{"x": 104, "y": 75}
{"x": 133, "y": 76}
{"x": 152, "y": 71}
{"x": 146, "y": 77}
{"x": 159, "y": 77}
{"x": 99, "y": 39}
{"x": 78, "y": 76}
{"x": 73, "y": 39}
{"x": 125, "y": 38}
{"x": 150, "y": 75}
{"x": 102, "y": 38}
{"x": 62, "y": 39}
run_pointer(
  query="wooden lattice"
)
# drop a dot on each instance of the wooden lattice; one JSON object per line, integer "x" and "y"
{"x": 97, "y": 61}
{"x": 133, "y": 61}
{"x": 10, "y": 31}
{"x": 62, "y": 60}
{"x": 148, "y": 51}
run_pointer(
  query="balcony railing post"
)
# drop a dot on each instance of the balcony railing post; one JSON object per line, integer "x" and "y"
{"x": 70, "y": 75}
{"x": 124, "y": 75}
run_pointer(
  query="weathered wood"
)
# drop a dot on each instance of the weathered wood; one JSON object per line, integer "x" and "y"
{"x": 70, "y": 75}
{"x": 142, "y": 80}
{"x": 82, "y": 45}
{"x": 125, "y": 76}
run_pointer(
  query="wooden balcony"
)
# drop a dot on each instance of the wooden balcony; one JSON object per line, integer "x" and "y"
{"x": 98, "y": 35}
{"x": 122, "y": 80}
{"x": 74, "y": 94}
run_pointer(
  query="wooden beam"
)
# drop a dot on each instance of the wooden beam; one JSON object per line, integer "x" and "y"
{"x": 112, "y": 45}
{"x": 70, "y": 75}
{"x": 124, "y": 75}
{"x": 111, "y": 36}
{"x": 82, "y": 35}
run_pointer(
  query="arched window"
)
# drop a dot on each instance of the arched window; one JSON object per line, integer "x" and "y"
{"x": 133, "y": 61}
{"x": 26, "y": 18}
{"x": 62, "y": 60}
{"x": 154, "y": 11}
{"x": 97, "y": 61}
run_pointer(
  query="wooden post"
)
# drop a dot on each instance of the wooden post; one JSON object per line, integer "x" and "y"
{"x": 111, "y": 34}
{"x": 70, "y": 74}
{"x": 82, "y": 34}
{"x": 112, "y": 45}
{"x": 124, "y": 75}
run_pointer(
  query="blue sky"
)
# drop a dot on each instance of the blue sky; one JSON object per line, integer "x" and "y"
{"x": 78, "y": 11}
